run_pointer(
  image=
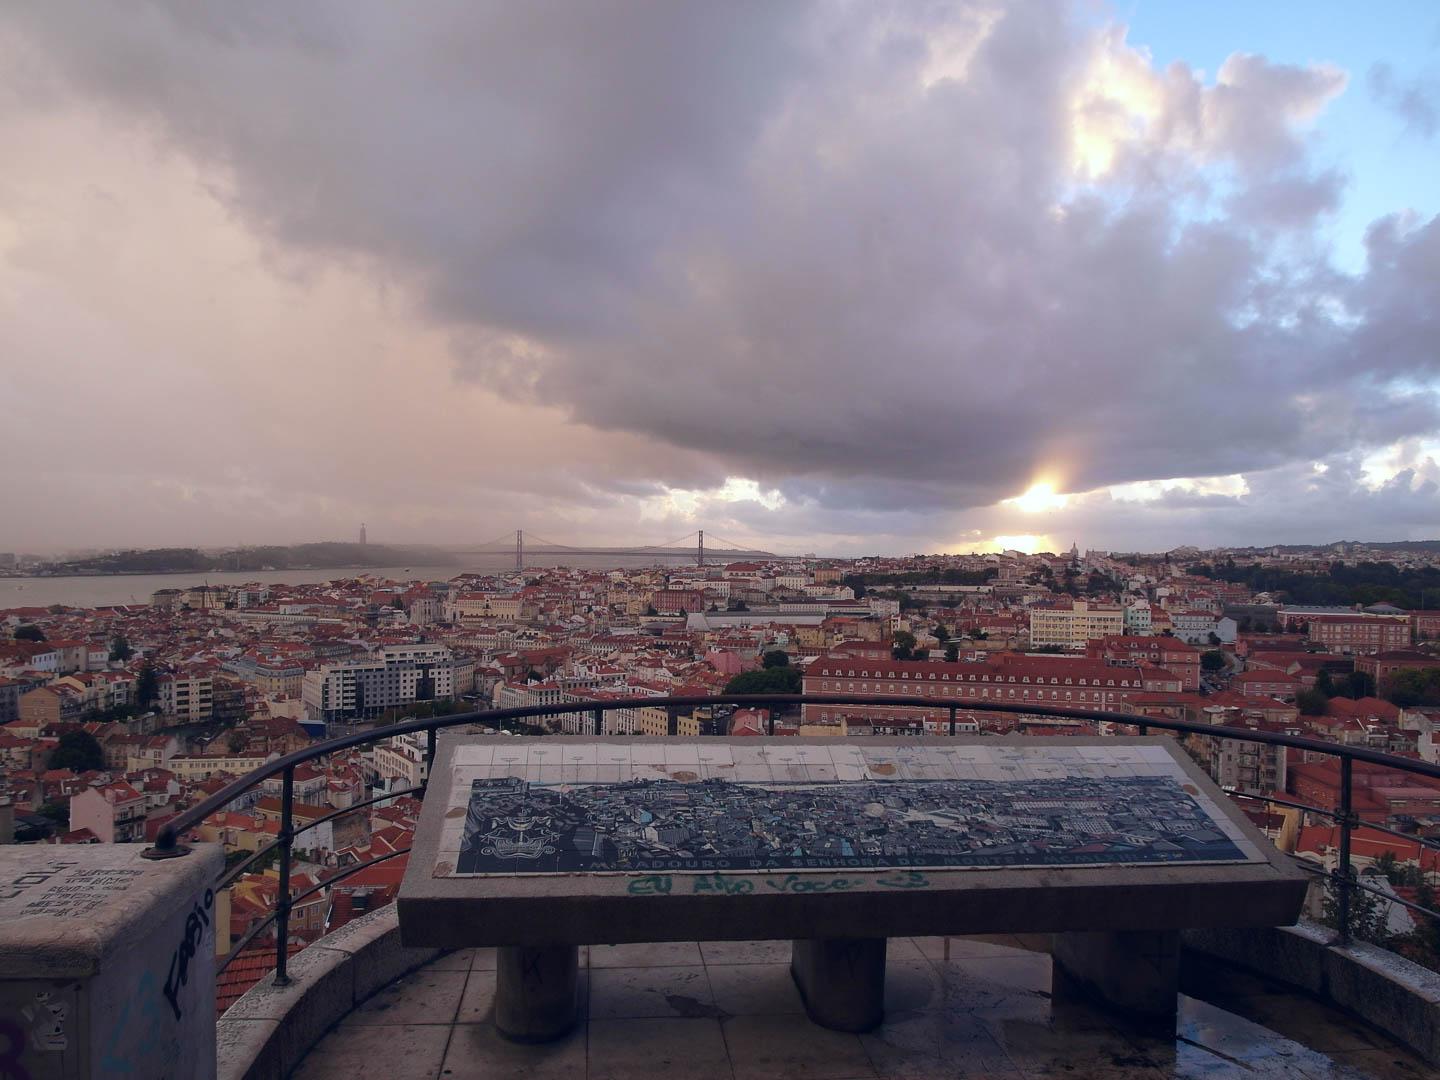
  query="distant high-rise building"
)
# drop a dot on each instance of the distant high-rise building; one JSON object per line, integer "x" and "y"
{"x": 362, "y": 533}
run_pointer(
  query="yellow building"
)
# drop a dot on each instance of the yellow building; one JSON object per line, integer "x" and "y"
{"x": 1071, "y": 628}
{"x": 479, "y": 605}
{"x": 194, "y": 767}
{"x": 653, "y": 720}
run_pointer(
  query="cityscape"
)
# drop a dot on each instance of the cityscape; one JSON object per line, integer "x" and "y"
{"x": 114, "y": 717}
{"x": 743, "y": 429}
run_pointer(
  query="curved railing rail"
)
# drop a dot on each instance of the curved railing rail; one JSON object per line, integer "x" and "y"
{"x": 168, "y": 845}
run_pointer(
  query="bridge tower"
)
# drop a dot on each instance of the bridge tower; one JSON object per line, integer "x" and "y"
{"x": 519, "y": 549}
{"x": 700, "y": 551}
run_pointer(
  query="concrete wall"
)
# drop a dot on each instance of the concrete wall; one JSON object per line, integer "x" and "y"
{"x": 108, "y": 962}
{"x": 265, "y": 1034}
{"x": 1381, "y": 988}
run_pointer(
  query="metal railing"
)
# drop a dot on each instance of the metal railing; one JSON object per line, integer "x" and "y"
{"x": 168, "y": 844}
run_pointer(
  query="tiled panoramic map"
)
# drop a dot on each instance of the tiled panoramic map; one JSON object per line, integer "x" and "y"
{"x": 678, "y": 807}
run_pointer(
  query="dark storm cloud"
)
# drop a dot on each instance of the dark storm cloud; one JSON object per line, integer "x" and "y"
{"x": 882, "y": 257}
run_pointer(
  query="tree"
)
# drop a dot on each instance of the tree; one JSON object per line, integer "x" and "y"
{"x": 235, "y": 741}
{"x": 29, "y": 632}
{"x": 1358, "y": 685}
{"x": 903, "y": 645}
{"x": 1312, "y": 702}
{"x": 1413, "y": 686}
{"x": 650, "y": 609}
{"x": 1214, "y": 660}
{"x": 147, "y": 686}
{"x": 120, "y": 648}
{"x": 775, "y": 680}
{"x": 942, "y": 633}
{"x": 952, "y": 653}
{"x": 776, "y": 658}
{"x": 1325, "y": 683}
{"x": 1368, "y": 913}
{"x": 77, "y": 751}
{"x": 1214, "y": 638}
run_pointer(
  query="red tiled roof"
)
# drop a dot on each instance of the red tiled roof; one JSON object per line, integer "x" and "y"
{"x": 252, "y": 964}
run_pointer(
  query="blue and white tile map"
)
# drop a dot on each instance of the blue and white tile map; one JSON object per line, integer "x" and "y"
{"x": 677, "y": 807}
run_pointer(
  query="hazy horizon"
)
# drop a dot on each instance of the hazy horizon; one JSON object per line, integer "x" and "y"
{"x": 460, "y": 550}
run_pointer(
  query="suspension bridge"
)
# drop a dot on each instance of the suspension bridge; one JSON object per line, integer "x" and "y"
{"x": 690, "y": 546}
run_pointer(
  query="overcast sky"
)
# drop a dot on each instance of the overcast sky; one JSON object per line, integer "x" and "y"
{"x": 837, "y": 277}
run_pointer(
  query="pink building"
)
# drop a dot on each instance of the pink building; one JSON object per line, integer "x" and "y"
{"x": 113, "y": 812}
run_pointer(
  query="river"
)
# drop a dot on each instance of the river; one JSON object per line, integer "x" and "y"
{"x": 104, "y": 589}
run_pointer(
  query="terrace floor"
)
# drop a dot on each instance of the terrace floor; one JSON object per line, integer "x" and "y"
{"x": 957, "y": 1007}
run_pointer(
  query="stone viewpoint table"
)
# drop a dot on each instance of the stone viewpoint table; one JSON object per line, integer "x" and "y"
{"x": 540, "y": 845}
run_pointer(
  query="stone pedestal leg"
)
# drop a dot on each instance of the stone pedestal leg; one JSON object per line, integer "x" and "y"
{"x": 1133, "y": 972}
{"x": 841, "y": 980}
{"x": 536, "y": 991}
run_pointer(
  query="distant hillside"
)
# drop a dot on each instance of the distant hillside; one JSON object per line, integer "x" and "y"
{"x": 1431, "y": 546}
{"x": 1397, "y": 545}
{"x": 327, "y": 556}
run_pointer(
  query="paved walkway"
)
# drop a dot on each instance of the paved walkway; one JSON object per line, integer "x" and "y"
{"x": 729, "y": 1011}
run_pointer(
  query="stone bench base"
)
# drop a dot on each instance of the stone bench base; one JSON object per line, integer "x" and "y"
{"x": 1136, "y": 973}
{"x": 842, "y": 980}
{"x": 536, "y": 991}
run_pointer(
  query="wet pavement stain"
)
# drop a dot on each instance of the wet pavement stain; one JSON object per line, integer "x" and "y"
{"x": 692, "y": 1009}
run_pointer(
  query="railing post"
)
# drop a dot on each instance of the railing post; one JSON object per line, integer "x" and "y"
{"x": 952, "y": 719}
{"x": 429, "y": 756}
{"x": 1143, "y": 729}
{"x": 282, "y": 906}
{"x": 597, "y": 717}
{"x": 1343, "y": 901}
{"x": 770, "y": 718}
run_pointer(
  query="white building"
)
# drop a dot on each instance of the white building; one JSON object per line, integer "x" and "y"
{"x": 425, "y": 610}
{"x": 397, "y": 675}
{"x": 400, "y": 762}
{"x": 1137, "y": 618}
